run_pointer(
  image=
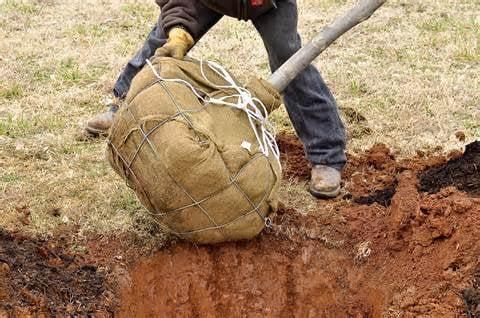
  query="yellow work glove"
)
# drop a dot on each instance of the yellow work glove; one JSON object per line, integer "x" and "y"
{"x": 178, "y": 43}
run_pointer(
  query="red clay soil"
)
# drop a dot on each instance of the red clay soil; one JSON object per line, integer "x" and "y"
{"x": 294, "y": 163}
{"x": 415, "y": 256}
{"x": 390, "y": 250}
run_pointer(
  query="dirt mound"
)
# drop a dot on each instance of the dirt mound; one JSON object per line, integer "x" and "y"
{"x": 462, "y": 172}
{"x": 415, "y": 254}
{"x": 369, "y": 178}
{"x": 39, "y": 277}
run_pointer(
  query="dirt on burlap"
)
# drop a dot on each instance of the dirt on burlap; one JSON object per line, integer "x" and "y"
{"x": 43, "y": 278}
{"x": 414, "y": 257}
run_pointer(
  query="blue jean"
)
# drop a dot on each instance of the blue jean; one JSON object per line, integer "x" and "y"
{"x": 309, "y": 103}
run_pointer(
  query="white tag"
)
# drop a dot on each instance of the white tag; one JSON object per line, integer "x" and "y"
{"x": 246, "y": 145}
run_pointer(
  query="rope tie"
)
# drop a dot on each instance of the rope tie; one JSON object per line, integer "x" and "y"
{"x": 253, "y": 107}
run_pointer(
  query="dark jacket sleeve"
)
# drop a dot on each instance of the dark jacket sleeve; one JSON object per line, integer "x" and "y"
{"x": 183, "y": 13}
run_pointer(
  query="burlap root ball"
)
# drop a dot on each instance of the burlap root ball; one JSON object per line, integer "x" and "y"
{"x": 195, "y": 166}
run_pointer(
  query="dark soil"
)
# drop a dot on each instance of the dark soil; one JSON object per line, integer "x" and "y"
{"x": 471, "y": 296}
{"x": 462, "y": 173}
{"x": 382, "y": 197}
{"x": 43, "y": 277}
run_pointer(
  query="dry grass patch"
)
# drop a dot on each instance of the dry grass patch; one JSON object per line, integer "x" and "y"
{"x": 411, "y": 71}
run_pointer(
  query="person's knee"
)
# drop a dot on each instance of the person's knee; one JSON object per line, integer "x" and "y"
{"x": 281, "y": 48}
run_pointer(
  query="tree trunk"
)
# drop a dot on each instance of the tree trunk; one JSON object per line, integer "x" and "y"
{"x": 300, "y": 60}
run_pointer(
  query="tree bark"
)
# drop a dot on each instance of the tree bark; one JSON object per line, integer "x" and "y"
{"x": 300, "y": 60}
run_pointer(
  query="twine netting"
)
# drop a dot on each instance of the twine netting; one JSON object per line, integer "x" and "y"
{"x": 198, "y": 150}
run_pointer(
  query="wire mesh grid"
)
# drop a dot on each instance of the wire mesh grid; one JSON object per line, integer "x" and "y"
{"x": 133, "y": 181}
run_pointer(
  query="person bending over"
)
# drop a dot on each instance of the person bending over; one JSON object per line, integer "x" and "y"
{"x": 309, "y": 102}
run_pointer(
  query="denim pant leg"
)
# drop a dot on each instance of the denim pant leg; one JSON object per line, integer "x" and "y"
{"x": 155, "y": 39}
{"x": 310, "y": 104}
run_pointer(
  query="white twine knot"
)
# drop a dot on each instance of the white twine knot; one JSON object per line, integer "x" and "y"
{"x": 253, "y": 107}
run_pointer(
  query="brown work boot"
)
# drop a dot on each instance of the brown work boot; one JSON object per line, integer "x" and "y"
{"x": 325, "y": 182}
{"x": 100, "y": 124}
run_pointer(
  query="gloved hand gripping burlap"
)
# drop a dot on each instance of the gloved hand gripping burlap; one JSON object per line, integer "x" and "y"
{"x": 195, "y": 166}
{"x": 264, "y": 91}
{"x": 178, "y": 43}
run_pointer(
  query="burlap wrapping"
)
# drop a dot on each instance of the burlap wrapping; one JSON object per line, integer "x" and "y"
{"x": 187, "y": 161}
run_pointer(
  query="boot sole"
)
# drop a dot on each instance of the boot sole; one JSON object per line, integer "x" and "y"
{"x": 324, "y": 194}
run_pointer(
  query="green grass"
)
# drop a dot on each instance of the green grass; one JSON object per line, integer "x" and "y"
{"x": 357, "y": 88}
{"x": 13, "y": 92}
{"x": 126, "y": 200}
{"x": 92, "y": 31}
{"x": 443, "y": 30}
{"x": 10, "y": 178}
{"x": 20, "y": 6}
{"x": 14, "y": 127}
{"x": 467, "y": 54}
{"x": 42, "y": 75}
{"x": 70, "y": 73}
{"x": 469, "y": 121}
{"x": 436, "y": 24}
